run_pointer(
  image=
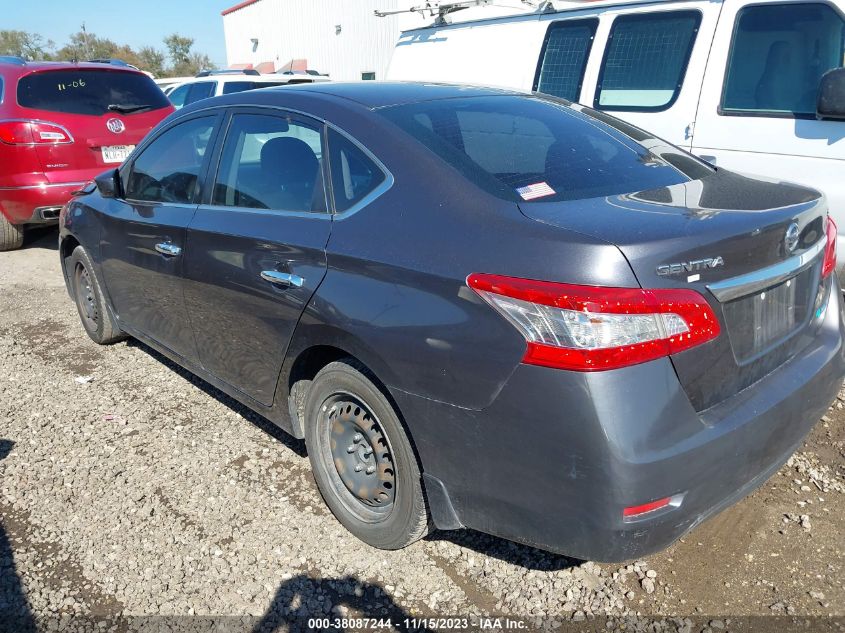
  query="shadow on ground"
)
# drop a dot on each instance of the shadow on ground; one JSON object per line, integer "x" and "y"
{"x": 301, "y": 602}
{"x": 45, "y": 237}
{"x": 507, "y": 551}
{"x": 297, "y": 446}
{"x": 15, "y": 615}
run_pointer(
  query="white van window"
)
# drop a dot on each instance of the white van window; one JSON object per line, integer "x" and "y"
{"x": 778, "y": 55}
{"x": 563, "y": 59}
{"x": 645, "y": 60}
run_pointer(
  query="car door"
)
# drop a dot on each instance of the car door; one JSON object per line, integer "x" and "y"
{"x": 257, "y": 248}
{"x": 758, "y": 104}
{"x": 143, "y": 232}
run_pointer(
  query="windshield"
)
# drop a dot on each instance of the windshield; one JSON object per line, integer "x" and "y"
{"x": 90, "y": 91}
{"x": 524, "y": 148}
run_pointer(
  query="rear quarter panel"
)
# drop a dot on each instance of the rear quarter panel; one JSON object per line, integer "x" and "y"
{"x": 396, "y": 285}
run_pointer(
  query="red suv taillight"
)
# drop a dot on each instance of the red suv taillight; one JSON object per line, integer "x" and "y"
{"x": 23, "y": 132}
{"x": 592, "y": 328}
{"x": 829, "y": 264}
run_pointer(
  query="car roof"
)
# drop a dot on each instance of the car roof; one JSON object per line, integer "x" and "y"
{"x": 380, "y": 94}
{"x": 24, "y": 67}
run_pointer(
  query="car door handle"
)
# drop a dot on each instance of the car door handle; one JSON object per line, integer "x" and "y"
{"x": 168, "y": 249}
{"x": 282, "y": 279}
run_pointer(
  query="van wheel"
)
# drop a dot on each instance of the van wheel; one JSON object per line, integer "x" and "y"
{"x": 362, "y": 459}
{"x": 11, "y": 235}
{"x": 97, "y": 320}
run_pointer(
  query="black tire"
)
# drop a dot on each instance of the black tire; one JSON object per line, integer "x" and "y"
{"x": 11, "y": 235}
{"x": 389, "y": 510}
{"x": 96, "y": 318}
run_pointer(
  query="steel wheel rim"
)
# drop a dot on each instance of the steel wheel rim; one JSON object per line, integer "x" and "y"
{"x": 85, "y": 297}
{"x": 358, "y": 457}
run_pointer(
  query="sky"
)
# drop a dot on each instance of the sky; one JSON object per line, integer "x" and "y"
{"x": 135, "y": 23}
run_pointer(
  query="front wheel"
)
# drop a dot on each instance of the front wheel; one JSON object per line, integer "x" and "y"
{"x": 97, "y": 320}
{"x": 362, "y": 459}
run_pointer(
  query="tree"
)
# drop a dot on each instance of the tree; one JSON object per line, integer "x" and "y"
{"x": 179, "y": 48}
{"x": 185, "y": 62}
{"x": 30, "y": 46}
{"x": 151, "y": 60}
{"x": 82, "y": 46}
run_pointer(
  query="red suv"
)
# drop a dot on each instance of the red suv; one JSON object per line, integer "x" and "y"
{"x": 61, "y": 124}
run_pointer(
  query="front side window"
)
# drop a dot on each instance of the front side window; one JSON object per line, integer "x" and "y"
{"x": 563, "y": 59}
{"x": 354, "y": 174}
{"x": 271, "y": 162}
{"x": 778, "y": 56}
{"x": 178, "y": 95}
{"x": 89, "y": 91}
{"x": 168, "y": 169}
{"x": 646, "y": 60}
{"x": 527, "y": 149}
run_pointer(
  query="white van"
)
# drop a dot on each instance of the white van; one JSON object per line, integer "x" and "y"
{"x": 734, "y": 81}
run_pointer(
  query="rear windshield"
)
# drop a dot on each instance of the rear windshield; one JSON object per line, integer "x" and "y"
{"x": 525, "y": 148}
{"x": 84, "y": 91}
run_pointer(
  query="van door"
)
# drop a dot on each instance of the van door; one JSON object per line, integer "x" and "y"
{"x": 648, "y": 72}
{"x": 757, "y": 110}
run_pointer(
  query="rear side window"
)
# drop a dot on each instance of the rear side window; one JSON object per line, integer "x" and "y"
{"x": 354, "y": 174}
{"x": 231, "y": 87}
{"x": 778, "y": 56}
{"x": 646, "y": 60}
{"x": 271, "y": 162}
{"x": 525, "y": 149}
{"x": 85, "y": 91}
{"x": 200, "y": 90}
{"x": 168, "y": 169}
{"x": 563, "y": 59}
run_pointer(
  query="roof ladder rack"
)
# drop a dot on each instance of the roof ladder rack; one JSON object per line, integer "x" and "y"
{"x": 438, "y": 10}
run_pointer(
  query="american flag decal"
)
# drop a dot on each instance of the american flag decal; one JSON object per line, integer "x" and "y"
{"x": 537, "y": 190}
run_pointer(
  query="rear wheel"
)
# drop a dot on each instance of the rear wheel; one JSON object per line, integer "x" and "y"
{"x": 11, "y": 235}
{"x": 362, "y": 459}
{"x": 97, "y": 320}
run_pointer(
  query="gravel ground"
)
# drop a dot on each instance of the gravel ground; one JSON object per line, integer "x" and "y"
{"x": 129, "y": 487}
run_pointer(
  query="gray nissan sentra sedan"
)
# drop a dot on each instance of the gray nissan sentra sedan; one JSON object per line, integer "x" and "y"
{"x": 479, "y": 308}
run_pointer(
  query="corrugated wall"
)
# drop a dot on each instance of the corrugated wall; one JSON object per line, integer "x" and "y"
{"x": 292, "y": 29}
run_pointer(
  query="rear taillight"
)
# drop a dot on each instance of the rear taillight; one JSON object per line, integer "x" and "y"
{"x": 25, "y": 132}
{"x": 829, "y": 264}
{"x": 592, "y": 328}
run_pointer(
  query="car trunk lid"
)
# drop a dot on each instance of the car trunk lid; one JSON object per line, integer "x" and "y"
{"x": 726, "y": 237}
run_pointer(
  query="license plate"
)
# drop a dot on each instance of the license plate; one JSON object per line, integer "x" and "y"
{"x": 758, "y": 321}
{"x": 116, "y": 153}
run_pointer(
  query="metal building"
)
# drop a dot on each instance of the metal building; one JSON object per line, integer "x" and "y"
{"x": 339, "y": 37}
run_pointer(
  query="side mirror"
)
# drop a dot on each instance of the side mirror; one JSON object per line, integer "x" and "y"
{"x": 831, "y": 102}
{"x": 108, "y": 183}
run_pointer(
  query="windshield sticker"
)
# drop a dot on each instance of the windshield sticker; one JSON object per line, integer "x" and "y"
{"x": 537, "y": 190}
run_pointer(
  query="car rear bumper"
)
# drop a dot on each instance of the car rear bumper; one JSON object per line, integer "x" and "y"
{"x": 558, "y": 455}
{"x": 36, "y": 204}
